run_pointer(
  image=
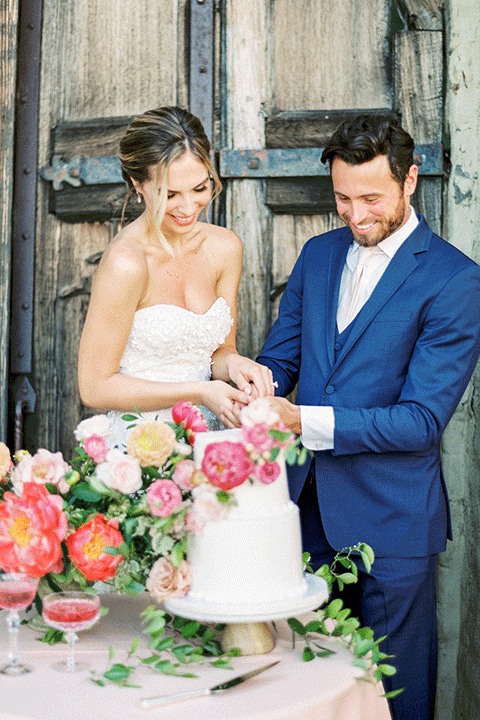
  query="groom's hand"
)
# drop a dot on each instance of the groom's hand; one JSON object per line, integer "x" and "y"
{"x": 249, "y": 376}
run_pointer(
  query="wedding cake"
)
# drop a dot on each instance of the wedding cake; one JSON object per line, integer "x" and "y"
{"x": 253, "y": 557}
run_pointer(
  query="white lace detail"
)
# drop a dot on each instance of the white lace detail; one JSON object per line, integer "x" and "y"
{"x": 168, "y": 343}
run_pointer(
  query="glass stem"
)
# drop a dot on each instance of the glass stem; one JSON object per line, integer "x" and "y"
{"x": 13, "y": 621}
{"x": 71, "y": 639}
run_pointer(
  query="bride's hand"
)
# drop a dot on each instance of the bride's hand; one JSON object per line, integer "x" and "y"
{"x": 219, "y": 395}
{"x": 254, "y": 379}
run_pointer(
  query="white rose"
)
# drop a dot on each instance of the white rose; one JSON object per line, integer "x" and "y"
{"x": 206, "y": 505}
{"x": 258, "y": 412}
{"x": 120, "y": 472}
{"x": 97, "y": 425}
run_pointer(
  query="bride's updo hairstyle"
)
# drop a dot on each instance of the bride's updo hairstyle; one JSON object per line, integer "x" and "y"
{"x": 152, "y": 142}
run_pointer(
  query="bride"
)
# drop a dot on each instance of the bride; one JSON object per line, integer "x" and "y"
{"x": 162, "y": 317}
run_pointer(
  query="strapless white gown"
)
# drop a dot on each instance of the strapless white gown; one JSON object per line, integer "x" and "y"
{"x": 168, "y": 343}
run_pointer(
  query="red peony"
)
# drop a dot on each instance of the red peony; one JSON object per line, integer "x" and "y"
{"x": 31, "y": 529}
{"x": 226, "y": 464}
{"x": 86, "y": 548}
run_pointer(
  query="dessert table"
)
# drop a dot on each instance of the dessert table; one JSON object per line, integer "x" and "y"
{"x": 323, "y": 689}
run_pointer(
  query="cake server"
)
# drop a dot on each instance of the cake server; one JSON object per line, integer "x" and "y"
{"x": 151, "y": 702}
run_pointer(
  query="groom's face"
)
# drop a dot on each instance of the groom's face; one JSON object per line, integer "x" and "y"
{"x": 370, "y": 200}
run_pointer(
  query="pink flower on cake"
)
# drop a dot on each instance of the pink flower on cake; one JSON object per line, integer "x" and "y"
{"x": 267, "y": 473}
{"x": 86, "y": 548}
{"x": 151, "y": 443}
{"x": 206, "y": 505}
{"x": 5, "y": 461}
{"x": 194, "y": 523}
{"x": 31, "y": 529}
{"x": 163, "y": 497}
{"x": 182, "y": 474}
{"x": 256, "y": 438}
{"x": 96, "y": 446}
{"x": 42, "y": 468}
{"x": 167, "y": 581}
{"x": 120, "y": 472}
{"x": 191, "y": 417}
{"x": 226, "y": 464}
{"x": 96, "y": 425}
{"x": 258, "y": 412}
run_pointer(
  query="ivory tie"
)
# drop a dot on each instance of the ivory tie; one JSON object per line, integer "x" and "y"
{"x": 358, "y": 288}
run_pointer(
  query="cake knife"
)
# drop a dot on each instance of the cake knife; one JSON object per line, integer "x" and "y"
{"x": 151, "y": 702}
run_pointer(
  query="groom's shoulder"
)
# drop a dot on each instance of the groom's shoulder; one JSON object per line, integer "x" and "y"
{"x": 331, "y": 238}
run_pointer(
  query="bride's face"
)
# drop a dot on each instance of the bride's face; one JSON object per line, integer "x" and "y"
{"x": 188, "y": 193}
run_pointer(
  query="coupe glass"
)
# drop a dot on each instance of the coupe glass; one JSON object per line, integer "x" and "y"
{"x": 71, "y": 612}
{"x": 17, "y": 591}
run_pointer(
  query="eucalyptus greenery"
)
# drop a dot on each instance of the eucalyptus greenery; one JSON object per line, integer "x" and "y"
{"x": 177, "y": 643}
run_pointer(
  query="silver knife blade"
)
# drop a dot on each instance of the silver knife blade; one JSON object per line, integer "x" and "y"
{"x": 151, "y": 702}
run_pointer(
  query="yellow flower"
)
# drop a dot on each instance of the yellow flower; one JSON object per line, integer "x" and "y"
{"x": 151, "y": 443}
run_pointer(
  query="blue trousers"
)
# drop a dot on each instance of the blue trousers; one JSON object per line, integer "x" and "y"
{"x": 397, "y": 598}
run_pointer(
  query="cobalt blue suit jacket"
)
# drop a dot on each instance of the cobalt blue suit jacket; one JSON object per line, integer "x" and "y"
{"x": 394, "y": 386}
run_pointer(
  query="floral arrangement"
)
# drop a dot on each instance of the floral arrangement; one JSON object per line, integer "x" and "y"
{"x": 123, "y": 517}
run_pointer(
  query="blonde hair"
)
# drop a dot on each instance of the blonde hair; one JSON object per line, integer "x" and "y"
{"x": 155, "y": 139}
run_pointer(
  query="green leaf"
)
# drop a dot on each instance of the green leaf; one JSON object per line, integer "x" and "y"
{"x": 297, "y": 626}
{"x": 308, "y": 654}
{"x": 394, "y": 693}
{"x": 347, "y": 578}
{"x": 158, "y": 623}
{"x": 313, "y": 626}
{"x": 118, "y": 672}
{"x": 164, "y": 644}
{"x": 334, "y": 608}
{"x": 84, "y": 492}
{"x": 166, "y": 667}
{"x": 190, "y": 629}
{"x": 386, "y": 669}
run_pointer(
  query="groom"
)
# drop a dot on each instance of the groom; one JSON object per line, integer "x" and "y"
{"x": 380, "y": 326}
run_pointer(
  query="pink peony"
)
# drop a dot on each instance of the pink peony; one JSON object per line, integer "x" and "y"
{"x": 206, "y": 505}
{"x": 226, "y": 464}
{"x": 43, "y": 467}
{"x": 120, "y": 472}
{"x": 191, "y": 417}
{"x": 267, "y": 473}
{"x": 86, "y": 548}
{"x": 258, "y": 437}
{"x": 194, "y": 523}
{"x": 163, "y": 497}
{"x": 96, "y": 425}
{"x": 31, "y": 529}
{"x": 166, "y": 581}
{"x": 182, "y": 475}
{"x": 96, "y": 446}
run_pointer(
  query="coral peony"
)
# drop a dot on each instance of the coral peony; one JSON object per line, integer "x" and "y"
{"x": 5, "y": 461}
{"x": 226, "y": 464}
{"x": 166, "y": 581}
{"x": 31, "y": 529}
{"x": 43, "y": 467}
{"x": 96, "y": 425}
{"x": 120, "y": 472}
{"x": 151, "y": 443}
{"x": 86, "y": 548}
{"x": 96, "y": 446}
{"x": 267, "y": 473}
{"x": 163, "y": 497}
{"x": 191, "y": 417}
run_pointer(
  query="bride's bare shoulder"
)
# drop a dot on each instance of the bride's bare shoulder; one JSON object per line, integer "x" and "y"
{"x": 125, "y": 253}
{"x": 222, "y": 242}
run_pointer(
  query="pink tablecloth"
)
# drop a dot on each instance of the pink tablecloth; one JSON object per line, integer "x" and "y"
{"x": 324, "y": 689}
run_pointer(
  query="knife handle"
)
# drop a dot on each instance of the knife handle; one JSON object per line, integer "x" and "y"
{"x": 151, "y": 702}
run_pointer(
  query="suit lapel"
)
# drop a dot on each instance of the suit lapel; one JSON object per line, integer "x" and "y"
{"x": 335, "y": 267}
{"x": 402, "y": 264}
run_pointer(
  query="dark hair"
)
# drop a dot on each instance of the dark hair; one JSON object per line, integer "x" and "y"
{"x": 157, "y": 138}
{"x": 364, "y": 137}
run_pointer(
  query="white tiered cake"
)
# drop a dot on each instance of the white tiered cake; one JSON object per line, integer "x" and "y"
{"x": 253, "y": 558}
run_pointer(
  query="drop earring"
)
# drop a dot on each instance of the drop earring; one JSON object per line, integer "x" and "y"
{"x": 139, "y": 198}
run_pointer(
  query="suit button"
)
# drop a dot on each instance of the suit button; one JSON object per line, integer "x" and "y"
{"x": 338, "y": 346}
{"x": 330, "y": 389}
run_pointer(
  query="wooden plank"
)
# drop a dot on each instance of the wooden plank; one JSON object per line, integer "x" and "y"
{"x": 92, "y": 203}
{"x": 300, "y": 196}
{"x": 248, "y": 96}
{"x": 8, "y": 36}
{"x": 422, "y": 14}
{"x": 419, "y": 101}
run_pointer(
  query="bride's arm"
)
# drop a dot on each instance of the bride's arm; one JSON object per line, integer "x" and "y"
{"x": 227, "y": 363}
{"x": 118, "y": 288}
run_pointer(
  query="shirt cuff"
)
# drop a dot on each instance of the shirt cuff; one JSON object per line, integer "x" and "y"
{"x": 318, "y": 425}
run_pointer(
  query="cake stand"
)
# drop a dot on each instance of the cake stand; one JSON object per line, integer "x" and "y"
{"x": 246, "y": 625}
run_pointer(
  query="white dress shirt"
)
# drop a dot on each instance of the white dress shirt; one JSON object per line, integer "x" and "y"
{"x": 318, "y": 421}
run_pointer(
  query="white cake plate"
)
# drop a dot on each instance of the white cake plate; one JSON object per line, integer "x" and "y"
{"x": 246, "y": 624}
